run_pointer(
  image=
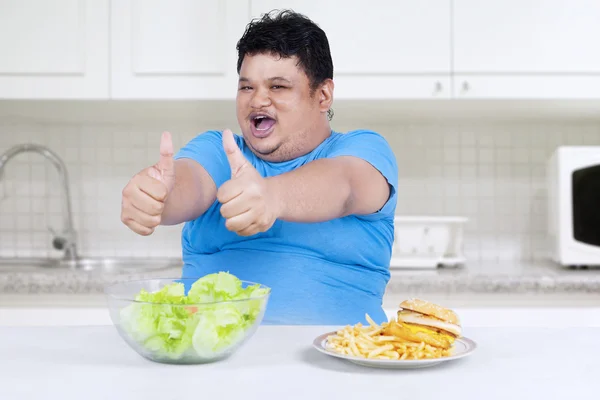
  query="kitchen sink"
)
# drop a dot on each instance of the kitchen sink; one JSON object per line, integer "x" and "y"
{"x": 100, "y": 264}
{"x": 65, "y": 240}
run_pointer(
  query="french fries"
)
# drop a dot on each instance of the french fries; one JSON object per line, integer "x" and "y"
{"x": 369, "y": 342}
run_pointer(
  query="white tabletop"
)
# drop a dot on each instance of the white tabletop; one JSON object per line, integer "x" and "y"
{"x": 279, "y": 363}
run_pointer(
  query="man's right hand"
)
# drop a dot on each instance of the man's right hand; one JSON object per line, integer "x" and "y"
{"x": 144, "y": 197}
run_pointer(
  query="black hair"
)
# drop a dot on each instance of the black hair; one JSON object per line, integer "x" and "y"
{"x": 287, "y": 33}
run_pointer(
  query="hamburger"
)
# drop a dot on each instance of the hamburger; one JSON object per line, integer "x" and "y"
{"x": 421, "y": 321}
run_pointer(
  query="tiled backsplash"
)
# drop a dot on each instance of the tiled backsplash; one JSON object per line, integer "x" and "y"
{"x": 491, "y": 173}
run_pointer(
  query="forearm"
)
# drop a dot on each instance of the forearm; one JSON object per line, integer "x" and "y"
{"x": 193, "y": 193}
{"x": 318, "y": 191}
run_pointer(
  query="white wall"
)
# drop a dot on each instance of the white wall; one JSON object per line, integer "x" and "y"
{"x": 491, "y": 173}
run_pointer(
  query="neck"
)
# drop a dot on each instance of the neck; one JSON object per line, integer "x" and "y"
{"x": 320, "y": 132}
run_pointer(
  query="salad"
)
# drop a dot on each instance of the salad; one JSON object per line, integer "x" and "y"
{"x": 213, "y": 316}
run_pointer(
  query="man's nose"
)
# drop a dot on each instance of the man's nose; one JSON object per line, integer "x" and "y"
{"x": 260, "y": 99}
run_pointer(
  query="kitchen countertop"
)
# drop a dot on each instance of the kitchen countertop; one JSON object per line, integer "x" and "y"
{"x": 93, "y": 362}
{"x": 499, "y": 278}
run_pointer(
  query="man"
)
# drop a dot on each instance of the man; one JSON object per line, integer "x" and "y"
{"x": 292, "y": 204}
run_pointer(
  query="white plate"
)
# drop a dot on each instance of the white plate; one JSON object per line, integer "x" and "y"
{"x": 462, "y": 347}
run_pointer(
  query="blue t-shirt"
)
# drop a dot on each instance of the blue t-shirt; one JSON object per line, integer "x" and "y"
{"x": 326, "y": 273}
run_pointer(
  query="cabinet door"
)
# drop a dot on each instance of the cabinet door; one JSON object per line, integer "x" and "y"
{"x": 175, "y": 49}
{"x": 53, "y": 49}
{"x": 526, "y": 48}
{"x": 381, "y": 48}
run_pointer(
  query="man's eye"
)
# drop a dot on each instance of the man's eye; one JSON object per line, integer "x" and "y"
{"x": 277, "y": 87}
{"x": 245, "y": 88}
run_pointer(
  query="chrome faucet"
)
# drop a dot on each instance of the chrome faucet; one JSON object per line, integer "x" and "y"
{"x": 66, "y": 241}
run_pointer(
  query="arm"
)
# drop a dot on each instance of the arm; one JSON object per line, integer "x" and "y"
{"x": 166, "y": 193}
{"x": 200, "y": 167}
{"x": 357, "y": 174}
{"x": 193, "y": 193}
{"x": 329, "y": 188}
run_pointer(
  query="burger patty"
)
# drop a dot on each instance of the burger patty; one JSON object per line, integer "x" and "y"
{"x": 427, "y": 321}
{"x": 409, "y": 312}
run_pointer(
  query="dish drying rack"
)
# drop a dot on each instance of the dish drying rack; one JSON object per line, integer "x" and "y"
{"x": 428, "y": 242}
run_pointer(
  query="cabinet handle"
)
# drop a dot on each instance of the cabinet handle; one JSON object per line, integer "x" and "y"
{"x": 465, "y": 86}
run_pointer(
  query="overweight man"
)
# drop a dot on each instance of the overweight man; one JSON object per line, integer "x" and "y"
{"x": 289, "y": 203}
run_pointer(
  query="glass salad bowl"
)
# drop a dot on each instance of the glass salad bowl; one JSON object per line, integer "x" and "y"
{"x": 187, "y": 321}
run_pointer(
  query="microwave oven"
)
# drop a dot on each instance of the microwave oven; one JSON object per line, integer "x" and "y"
{"x": 573, "y": 182}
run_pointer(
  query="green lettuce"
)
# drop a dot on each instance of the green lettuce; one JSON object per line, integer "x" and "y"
{"x": 170, "y": 323}
{"x": 218, "y": 329}
{"x": 220, "y": 286}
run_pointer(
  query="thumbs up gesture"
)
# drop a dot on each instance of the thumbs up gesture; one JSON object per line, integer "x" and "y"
{"x": 247, "y": 202}
{"x": 143, "y": 200}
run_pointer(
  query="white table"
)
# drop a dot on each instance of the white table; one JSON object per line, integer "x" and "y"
{"x": 92, "y": 362}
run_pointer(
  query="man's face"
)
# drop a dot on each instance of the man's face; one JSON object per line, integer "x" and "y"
{"x": 275, "y": 109}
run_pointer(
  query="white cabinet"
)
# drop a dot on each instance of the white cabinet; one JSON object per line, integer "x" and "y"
{"x": 175, "y": 49}
{"x": 54, "y": 49}
{"x": 381, "y": 48}
{"x": 526, "y": 48}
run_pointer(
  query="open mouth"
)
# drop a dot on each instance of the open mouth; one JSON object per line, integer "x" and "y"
{"x": 262, "y": 125}
{"x": 263, "y": 122}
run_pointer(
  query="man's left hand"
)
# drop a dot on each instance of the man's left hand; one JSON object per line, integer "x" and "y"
{"x": 247, "y": 202}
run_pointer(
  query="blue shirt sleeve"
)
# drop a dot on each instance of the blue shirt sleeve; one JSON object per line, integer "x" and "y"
{"x": 207, "y": 150}
{"x": 373, "y": 148}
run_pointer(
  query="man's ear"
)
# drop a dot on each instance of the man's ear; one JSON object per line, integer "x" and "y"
{"x": 326, "y": 95}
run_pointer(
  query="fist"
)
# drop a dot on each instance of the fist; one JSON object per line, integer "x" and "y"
{"x": 247, "y": 202}
{"x": 144, "y": 197}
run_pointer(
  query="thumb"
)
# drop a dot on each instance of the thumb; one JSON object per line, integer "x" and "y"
{"x": 166, "y": 164}
{"x": 236, "y": 159}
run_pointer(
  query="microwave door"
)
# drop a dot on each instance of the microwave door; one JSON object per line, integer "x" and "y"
{"x": 585, "y": 186}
